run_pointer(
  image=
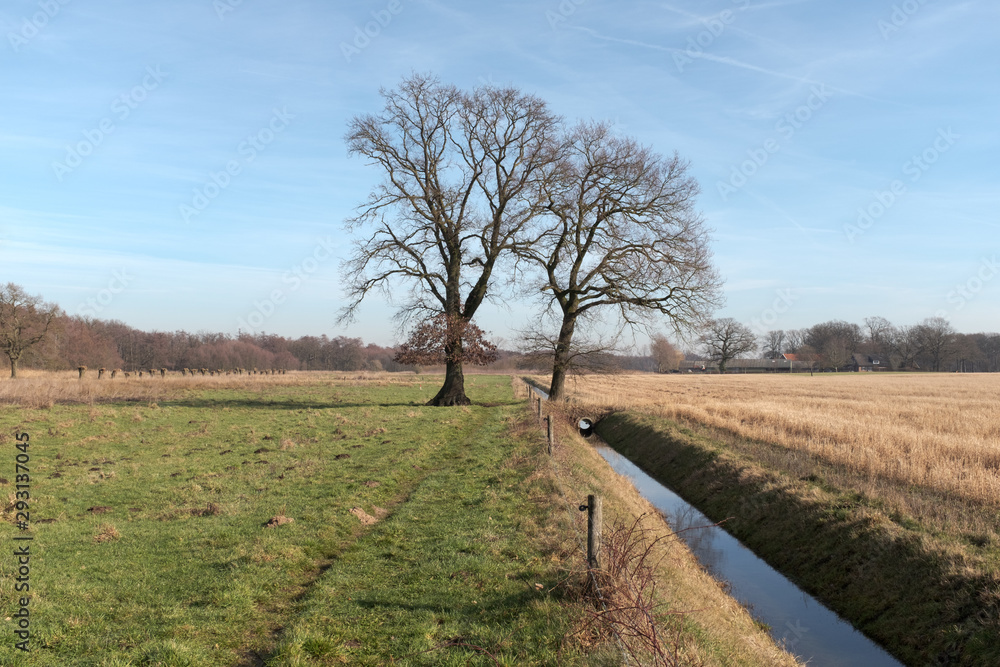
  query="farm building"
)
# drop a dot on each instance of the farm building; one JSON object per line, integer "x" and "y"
{"x": 866, "y": 363}
{"x": 744, "y": 366}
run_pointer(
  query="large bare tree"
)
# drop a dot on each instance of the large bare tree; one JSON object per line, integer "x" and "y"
{"x": 460, "y": 177}
{"x": 879, "y": 331}
{"x": 620, "y": 234}
{"x": 906, "y": 345}
{"x": 593, "y": 353}
{"x": 726, "y": 339}
{"x": 24, "y": 321}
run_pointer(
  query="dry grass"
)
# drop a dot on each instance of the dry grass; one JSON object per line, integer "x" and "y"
{"x": 40, "y": 389}
{"x": 107, "y": 533}
{"x": 938, "y": 433}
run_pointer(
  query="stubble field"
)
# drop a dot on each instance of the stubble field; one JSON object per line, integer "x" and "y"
{"x": 892, "y": 434}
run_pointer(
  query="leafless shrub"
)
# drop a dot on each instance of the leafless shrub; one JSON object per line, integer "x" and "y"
{"x": 623, "y": 597}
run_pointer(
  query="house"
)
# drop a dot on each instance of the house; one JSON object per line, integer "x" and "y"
{"x": 867, "y": 363}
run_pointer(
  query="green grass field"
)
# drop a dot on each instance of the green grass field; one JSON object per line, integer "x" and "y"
{"x": 151, "y": 547}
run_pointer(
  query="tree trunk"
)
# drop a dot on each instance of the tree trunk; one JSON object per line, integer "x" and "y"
{"x": 560, "y": 363}
{"x": 13, "y": 367}
{"x": 453, "y": 391}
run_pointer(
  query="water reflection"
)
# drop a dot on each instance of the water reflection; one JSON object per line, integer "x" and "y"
{"x": 805, "y": 627}
{"x": 696, "y": 530}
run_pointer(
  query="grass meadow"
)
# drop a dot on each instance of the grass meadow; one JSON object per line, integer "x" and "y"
{"x": 414, "y": 532}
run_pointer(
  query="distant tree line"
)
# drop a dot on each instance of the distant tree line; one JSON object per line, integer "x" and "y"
{"x": 36, "y": 334}
{"x": 76, "y": 341}
{"x": 932, "y": 345}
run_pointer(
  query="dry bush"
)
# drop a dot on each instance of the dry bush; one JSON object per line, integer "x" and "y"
{"x": 623, "y": 595}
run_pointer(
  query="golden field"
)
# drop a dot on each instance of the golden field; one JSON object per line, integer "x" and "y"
{"x": 896, "y": 436}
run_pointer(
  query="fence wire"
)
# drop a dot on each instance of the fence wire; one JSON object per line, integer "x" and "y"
{"x": 572, "y": 506}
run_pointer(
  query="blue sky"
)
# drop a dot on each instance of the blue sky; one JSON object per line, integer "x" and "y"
{"x": 181, "y": 164}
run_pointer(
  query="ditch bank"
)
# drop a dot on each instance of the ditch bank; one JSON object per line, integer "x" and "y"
{"x": 927, "y": 603}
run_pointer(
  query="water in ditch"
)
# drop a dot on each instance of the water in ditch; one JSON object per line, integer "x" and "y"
{"x": 805, "y": 627}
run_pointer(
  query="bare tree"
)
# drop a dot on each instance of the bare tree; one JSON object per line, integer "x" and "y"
{"x": 906, "y": 346}
{"x": 794, "y": 339}
{"x": 726, "y": 339}
{"x": 836, "y": 354}
{"x": 879, "y": 332}
{"x": 24, "y": 321}
{"x": 664, "y": 353}
{"x": 593, "y": 353}
{"x": 990, "y": 345}
{"x": 621, "y": 234}
{"x": 937, "y": 341}
{"x": 460, "y": 170}
{"x": 968, "y": 354}
{"x": 773, "y": 344}
{"x": 807, "y": 355}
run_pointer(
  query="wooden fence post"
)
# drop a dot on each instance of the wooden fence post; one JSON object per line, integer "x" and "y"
{"x": 539, "y": 407}
{"x": 595, "y": 517}
{"x": 550, "y": 432}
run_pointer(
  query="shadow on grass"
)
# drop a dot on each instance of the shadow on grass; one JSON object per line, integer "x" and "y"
{"x": 281, "y": 404}
{"x": 485, "y": 608}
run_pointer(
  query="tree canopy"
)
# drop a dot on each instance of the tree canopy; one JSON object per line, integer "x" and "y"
{"x": 433, "y": 340}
